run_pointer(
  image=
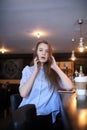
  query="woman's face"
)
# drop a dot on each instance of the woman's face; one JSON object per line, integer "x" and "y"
{"x": 43, "y": 52}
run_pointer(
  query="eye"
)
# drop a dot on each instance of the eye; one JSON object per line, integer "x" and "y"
{"x": 40, "y": 49}
{"x": 47, "y": 51}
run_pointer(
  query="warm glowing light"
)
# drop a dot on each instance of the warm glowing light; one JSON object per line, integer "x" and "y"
{"x": 81, "y": 47}
{"x": 73, "y": 58}
{"x": 85, "y": 47}
{"x": 38, "y": 34}
{"x": 81, "y": 43}
{"x": 3, "y": 50}
{"x": 82, "y": 118}
{"x": 73, "y": 106}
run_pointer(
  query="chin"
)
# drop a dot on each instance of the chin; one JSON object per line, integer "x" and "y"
{"x": 42, "y": 61}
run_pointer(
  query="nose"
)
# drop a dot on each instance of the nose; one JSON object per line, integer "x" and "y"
{"x": 43, "y": 52}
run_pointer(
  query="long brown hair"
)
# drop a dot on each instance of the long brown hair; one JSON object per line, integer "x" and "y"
{"x": 50, "y": 74}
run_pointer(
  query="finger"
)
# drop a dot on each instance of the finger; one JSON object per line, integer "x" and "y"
{"x": 36, "y": 60}
{"x": 52, "y": 58}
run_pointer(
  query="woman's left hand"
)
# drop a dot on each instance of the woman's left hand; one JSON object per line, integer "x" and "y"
{"x": 54, "y": 64}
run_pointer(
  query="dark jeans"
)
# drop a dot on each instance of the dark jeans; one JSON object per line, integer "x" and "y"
{"x": 59, "y": 124}
{"x": 44, "y": 122}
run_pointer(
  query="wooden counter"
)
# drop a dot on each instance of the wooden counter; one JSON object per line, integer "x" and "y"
{"x": 75, "y": 110}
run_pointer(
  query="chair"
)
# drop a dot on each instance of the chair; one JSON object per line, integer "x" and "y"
{"x": 23, "y": 118}
{"x": 4, "y": 103}
{"x": 15, "y": 100}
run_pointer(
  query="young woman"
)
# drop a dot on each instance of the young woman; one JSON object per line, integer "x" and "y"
{"x": 41, "y": 80}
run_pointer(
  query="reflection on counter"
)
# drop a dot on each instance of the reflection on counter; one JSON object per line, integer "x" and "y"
{"x": 82, "y": 119}
{"x": 76, "y": 110}
{"x": 82, "y": 102}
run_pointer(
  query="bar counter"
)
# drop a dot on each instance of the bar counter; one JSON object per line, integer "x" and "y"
{"x": 75, "y": 110}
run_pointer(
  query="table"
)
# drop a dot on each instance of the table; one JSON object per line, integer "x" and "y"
{"x": 75, "y": 110}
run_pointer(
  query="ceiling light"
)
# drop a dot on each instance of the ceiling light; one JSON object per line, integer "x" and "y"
{"x": 2, "y": 50}
{"x": 81, "y": 43}
{"x": 73, "y": 58}
{"x": 81, "y": 46}
{"x": 38, "y": 34}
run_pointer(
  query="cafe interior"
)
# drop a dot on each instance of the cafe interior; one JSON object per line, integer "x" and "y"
{"x": 63, "y": 23}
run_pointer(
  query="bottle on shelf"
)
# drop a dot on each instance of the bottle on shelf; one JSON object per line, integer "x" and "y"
{"x": 81, "y": 72}
{"x": 76, "y": 73}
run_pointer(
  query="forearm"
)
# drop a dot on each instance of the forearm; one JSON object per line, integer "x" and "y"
{"x": 66, "y": 82}
{"x": 27, "y": 86}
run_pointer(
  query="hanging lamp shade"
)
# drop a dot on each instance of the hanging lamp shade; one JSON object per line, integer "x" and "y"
{"x": 81, "y": 43}
{"x": 73, "y": 58}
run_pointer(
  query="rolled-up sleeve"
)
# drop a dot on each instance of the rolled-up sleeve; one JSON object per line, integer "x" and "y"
{"x": 26, "y": 72}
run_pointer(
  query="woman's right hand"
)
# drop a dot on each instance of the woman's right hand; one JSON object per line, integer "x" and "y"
{"x": 36, "y": 64}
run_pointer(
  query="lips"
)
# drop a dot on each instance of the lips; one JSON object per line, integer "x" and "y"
{"x": 42, "y": 57}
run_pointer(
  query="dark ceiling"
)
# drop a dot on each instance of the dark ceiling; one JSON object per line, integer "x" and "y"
{"x": 57, "y": 19}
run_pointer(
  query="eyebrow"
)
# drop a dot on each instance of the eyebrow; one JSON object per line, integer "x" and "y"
{"x": 42, "y": 49}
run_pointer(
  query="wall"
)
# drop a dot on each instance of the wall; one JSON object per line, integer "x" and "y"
{"x": 11, "y": 65}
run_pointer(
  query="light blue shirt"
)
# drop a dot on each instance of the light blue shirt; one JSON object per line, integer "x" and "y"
{"x": 45, "y": 99}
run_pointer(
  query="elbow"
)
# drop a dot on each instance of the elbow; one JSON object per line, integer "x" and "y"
{"x": 70, "y": 86}
{"x": 67, "y": 85}
{"x": 22, "y": 93}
